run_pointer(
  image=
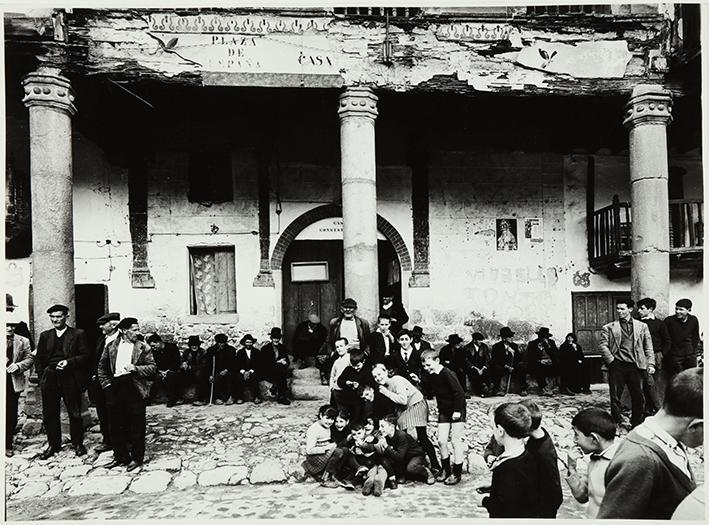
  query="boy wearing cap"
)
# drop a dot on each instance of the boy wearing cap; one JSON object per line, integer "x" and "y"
{"x": 275, "y": 362}
{"x": 108, "y": 324}
{"x": 62, "y": 364}
{"x": 18, "y": 361}
{"x": 126, "y": 372}
{"x": 248, "y": 369}
{"x": 506, "y": 360}
{"x": 543, "y": 358}
{"x": 683, "y": 328}
{"x": 167, "y": 360}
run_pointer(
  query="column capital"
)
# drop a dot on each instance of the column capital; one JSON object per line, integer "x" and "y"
{"x": 648, "y": 104}
{"x": 46, "y": 87}
{"x": 358, "y": 102}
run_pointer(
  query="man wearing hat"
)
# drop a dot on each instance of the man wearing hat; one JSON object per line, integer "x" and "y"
{"x": 274, "y": 360}
{"x": 62, "y": 364}
{"x": 21, "y": 327}
{"x": 191, "y": 367}
{"x": 418, "y": 343}
{"x": 167, "y": 361}
{"x": 683, "y": 328}
{"x": 108, "y": 324}
{"x": 248, "y": 368}
{"x": 507, "y": 360}
{"x": 218, "y": 370}
{"x": 543, "y": 356}
{"x": 126, "y": 372}
{"x": 476, "y": 364}
{"x": 394, "y": 311}
{"x": 18, "y": 361}
{"x": 348, "y": 325}
{"x": 449, "y": 356}
{"x": 309, "y": 337}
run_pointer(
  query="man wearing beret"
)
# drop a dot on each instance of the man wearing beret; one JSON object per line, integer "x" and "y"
{"x": 683, "y": 328}
{"x": 109, "y": 331}
{"x": 167, "y": 361}
{"x": 354, "y": 329}
{"x": 126, "y": 372}
{"x": 62, "y": 364}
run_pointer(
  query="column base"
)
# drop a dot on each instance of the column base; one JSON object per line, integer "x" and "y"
{"x": 141, "y": 278}
{"x": 420, "y": 280}
{"x": 264, "y": 280}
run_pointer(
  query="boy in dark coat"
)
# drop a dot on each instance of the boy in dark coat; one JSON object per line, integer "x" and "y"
{"x": 352, "y": 380}
{"x": 513, "y": 493}
{"x": 541, "y": 447}
{"x": 274, "y": 360}
{"x": 406, "y": 454}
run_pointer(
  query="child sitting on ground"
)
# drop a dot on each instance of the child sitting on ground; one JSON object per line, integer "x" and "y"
{"x": 513, "y": 493}
{"x": 322, "y": 458}
{"x": 407, "y": 456}
{"x": 541, "y": 447}
{"x": 594, "y": 433}
{"x": 341, "y": 428}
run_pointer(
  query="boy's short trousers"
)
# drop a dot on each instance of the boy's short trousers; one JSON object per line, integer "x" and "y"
{"x": 448, "y": 418}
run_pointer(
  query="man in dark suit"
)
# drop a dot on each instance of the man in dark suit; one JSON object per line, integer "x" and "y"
{"x": 507, "y": 360}
{"x": 218, "y": 373}
{"x": 62, "y": 363}
{"x": 476, "y": 364}
{"x": 418, "y": 343}
{"x": 247, "y": 368}
{"x": 406, "y": 361}
{"x": 382, "y": 344}
{"x": 167, "y": 360}
{"x": 543, "y": 358}
{"x": 274, "y": 365}
{"x": 126, "y": 372}
{"x": 394, "y": 311}
{"x": 108, "y": 325}
{"x": 308, "y": 339}
{"x": 191, "y": 368}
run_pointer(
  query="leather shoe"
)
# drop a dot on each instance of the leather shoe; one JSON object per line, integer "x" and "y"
{"x": 48, "y": 453}
{"x": 115, "y": 463}
{"x": 453, "y": 479}
{"x": 80, "y": 450}
{"x": 132, "y": 466}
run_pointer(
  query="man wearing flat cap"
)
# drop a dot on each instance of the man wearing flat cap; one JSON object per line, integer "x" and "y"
{"x": 18, "y": 361}
{"x": 167, "y": 361}
{"x": 506, "y": 360}
{"x": 683, "y": 328}
{"x": 108, "y": 324}
{"x": 274, "y": 360}
{"x": 126, "y": 372}
{"x": 348, "y": 325}
{"x": 248, "y": 369}
{"x": 62, "y": 364}
{"x": 543, "y": 358}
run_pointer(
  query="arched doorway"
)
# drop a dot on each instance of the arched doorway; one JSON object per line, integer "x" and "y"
{"x": 310, "y": 257}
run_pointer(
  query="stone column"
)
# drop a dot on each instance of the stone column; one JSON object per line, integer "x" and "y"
{"x": 647, "y": 115}
{"x": 50, "y": 100}
{"x": 358, "y": 110}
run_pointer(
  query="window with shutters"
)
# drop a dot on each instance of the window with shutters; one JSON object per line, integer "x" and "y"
{"x": 212, "y": 280}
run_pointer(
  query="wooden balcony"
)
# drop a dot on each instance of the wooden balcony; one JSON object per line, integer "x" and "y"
{"x": 610, "y": 240}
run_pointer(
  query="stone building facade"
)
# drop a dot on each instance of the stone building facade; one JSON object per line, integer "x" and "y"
{"x": 233, "y": 170}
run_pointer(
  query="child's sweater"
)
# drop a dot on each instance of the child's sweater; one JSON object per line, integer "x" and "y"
{"x": 514, "y": 488}
{"x": 544, "y": 453}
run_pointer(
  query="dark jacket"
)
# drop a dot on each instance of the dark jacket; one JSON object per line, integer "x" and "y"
{"x": 405, "y": 369}
{"x": 168, "y": 358}
{"x": 642, "y": 483}
{"x": 76, "y": 352}
{"x": 398, "y": 316}
{"x": 476, "y": 358}
{"x": 684, "y": 336}
{"x": 224, "y": 359}
{"x": 402, "y": 447}
{"x": 446, "y": 355}
{"x": 450, "y": 396}
{"x": 142, "y": 358}
{"x": 270, "y": 357}
{"x": 377, "y": 349}
{"x": 661, "y": 342}
{"x": 514, "y": 491}
{"x": 363, "y": 377}
{"x": 536, "y": 352}
{"x": 306, "y": 342}
{"x": 334, "y": 334}
{"x": 570, "y": 358}
{"x": 544, "y": 453}
{"x": 194, "y": 360}
{"x": 499, "y": 357}
{"x": 243, "y": 362}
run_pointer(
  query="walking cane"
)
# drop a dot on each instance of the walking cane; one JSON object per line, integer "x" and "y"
{"x": 214, "y": 370}
{"x": 507, "y": 388}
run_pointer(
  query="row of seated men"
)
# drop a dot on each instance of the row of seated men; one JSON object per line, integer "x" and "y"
{"x": 220, "y": 373}
{"x": 482, "y": 370}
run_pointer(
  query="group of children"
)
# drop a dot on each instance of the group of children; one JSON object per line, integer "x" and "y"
{"x": 526, "y": 482}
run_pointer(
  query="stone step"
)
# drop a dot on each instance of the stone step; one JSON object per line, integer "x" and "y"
{"x": 310, "y": 374}
{"x": 310, "y": 391}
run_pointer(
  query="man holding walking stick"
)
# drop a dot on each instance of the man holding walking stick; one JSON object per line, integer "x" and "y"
{"x": 506, "y": 360}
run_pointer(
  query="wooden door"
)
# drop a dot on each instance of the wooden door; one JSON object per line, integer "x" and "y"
{"x": 321, "y": 297}
{"x": 591, "y": 310}
{"x": 91, "y": 303}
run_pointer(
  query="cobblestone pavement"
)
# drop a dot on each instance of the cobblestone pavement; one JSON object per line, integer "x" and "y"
{"x": 243, "y": 461}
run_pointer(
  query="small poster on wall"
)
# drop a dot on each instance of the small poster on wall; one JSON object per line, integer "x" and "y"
{"x": 534, "y": 229}
{"x": 506, "y": 234}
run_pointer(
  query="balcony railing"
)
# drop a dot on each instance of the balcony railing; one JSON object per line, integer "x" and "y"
{"x": 611, "y": 240}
